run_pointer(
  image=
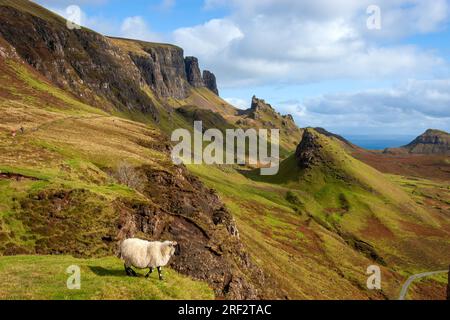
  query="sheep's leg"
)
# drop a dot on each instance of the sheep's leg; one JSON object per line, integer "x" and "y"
{"x": 133, "y": 273}
{"x": 149, "y": 273}
{"x": 130, "y": 272}
{"x": 127, "y": 270}
{"x": 160, "y": 273}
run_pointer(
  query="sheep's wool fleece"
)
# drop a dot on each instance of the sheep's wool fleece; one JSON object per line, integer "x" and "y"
{"x": 145, "y": 254}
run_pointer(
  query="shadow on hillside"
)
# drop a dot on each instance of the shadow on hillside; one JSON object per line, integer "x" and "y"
{"x": 103, "y": 272}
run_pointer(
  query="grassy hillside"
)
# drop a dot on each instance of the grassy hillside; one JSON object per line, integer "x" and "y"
{"x": 45, "y": 277}
{"x": 331, "y": 221}
{"x": 64, "y": 152}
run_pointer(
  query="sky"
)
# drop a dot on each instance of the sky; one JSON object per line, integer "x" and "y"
{"x": 360, "y": 68}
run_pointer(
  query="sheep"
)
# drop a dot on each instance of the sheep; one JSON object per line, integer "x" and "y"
{"x": 143, "y": 254}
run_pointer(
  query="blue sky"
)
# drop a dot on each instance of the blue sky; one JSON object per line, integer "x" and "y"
{"x": 317, "y": 59}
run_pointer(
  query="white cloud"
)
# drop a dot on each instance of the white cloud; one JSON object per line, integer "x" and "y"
{"x": 289, "y": 41}
{"x": 238, "y": 103}
{"x": 137, "y": 28}
{"x": 209, "y": 39}
{"x": 408, "y": 108}
{"x": 131, "y": 27}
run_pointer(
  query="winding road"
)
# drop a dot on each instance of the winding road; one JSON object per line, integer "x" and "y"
{"x": 415, "y": 277}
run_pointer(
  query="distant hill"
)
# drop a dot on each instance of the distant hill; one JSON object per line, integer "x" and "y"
{"x": 432, "y": 142}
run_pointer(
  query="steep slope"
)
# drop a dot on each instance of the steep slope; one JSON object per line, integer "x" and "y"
{"x": 432, "y": 142}
{"x": 80, "y": 61}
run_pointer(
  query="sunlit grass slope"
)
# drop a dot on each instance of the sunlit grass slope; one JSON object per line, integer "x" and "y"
{"x": 45, "y": 278}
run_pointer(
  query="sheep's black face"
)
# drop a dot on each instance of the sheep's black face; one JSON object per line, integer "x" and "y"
{"x": 173, "y": 248}
{"x": 177, "y": 249}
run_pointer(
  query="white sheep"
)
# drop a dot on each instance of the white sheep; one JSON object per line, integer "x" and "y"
{"x": 143, "y": 254}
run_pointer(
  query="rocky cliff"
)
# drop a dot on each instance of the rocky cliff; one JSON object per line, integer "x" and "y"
{"x": 106, "y": 72}
{"x": 193, "y": 74}
{"x": 162, "y": 67}
{"x": 308, "y": 151}
{"x": 198, "y": 80}
{"x": 210, "y": 81}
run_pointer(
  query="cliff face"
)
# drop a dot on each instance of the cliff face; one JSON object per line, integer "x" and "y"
{"x": 198, "y": 80}
{"x": 210, "y": 81}
{"x": 193, "y": 74}
{"x": 80, "y": 61}
{"x": 163, "y": 70}
{"x": 308, "y": 151}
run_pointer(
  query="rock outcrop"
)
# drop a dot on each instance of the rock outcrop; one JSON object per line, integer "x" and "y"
{"x": 262, "y": 115}
{"x": 261, "y": 109}
{"x": 210, "y": 81}
{"x": 193, "y": 74}
{"x": 308, "y": 151}
{"x": 196, "y": 78}
{"x": 260, "y": 105}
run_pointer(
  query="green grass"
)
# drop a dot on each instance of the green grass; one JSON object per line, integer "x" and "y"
{"x": 45, "y": 277}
